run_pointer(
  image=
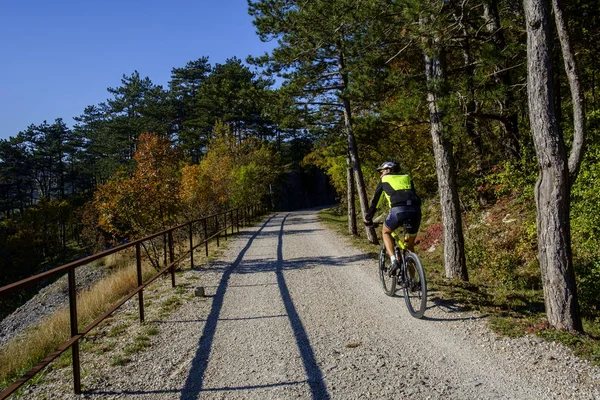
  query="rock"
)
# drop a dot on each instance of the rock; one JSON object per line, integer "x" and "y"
{"x": 199, "y": 291}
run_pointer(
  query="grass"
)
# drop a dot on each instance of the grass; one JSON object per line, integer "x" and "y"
{"x": 140, "y": 343}
{"x": 514, "y": 310}
{"x": 152, "y": 331}
{"x": 117, "y": 330}
{"x": 30, "y": 348}
{"x": 119, "y": 360}
{"x": 102, "y": 348}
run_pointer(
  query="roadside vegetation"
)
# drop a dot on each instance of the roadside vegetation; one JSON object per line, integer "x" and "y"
{"x": 504, "y": 282}
{"x": 35, "y": 344}
{"x": 116, "y": 338}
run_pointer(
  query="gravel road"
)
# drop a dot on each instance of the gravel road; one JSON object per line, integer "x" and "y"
{"x": 293, "y": 311}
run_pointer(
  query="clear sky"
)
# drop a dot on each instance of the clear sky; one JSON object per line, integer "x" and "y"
{"x": 59, "y": 56}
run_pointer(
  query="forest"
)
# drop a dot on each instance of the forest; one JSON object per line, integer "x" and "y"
{"x": 489, "y": 105}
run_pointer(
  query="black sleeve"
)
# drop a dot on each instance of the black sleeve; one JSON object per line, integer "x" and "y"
{"x": 374, "y": 202}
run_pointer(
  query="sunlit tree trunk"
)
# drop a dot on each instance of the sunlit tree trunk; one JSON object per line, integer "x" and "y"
{"x": 552, "y": 189}
{"x": 350, "y": 194}
{"x": 353, "y": 152}
{"x": 454, "y": 248}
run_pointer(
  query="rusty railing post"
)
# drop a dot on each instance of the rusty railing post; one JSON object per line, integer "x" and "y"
{"x": 237, "y": 219}
{"x": 74, "y": 332}
{"x": 205, "y": 236}
{"x": 225, "y": 223}
{"x": 232, "y": 224}
{"x": 138, "y": 261}
{"x": 171, "y": 258}
{"x": 165, "y": 249}
{"x": 217, "y": 228}
{"x": 191, "y": 247}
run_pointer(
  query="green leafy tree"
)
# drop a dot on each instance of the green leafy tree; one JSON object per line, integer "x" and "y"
{"x": 318, "y": 44}
{"x": 184, "y": 85}
{"x": 110, "y": 130}
{"x": 16, "y": 178}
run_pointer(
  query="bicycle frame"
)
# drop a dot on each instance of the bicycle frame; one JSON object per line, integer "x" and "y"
{"x": 415, "y": 292}
{"x": 400, "y": 242}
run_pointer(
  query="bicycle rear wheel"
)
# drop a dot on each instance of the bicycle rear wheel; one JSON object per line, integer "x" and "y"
{"x": 415, "y": 291}
{"x": 388, "y": 283}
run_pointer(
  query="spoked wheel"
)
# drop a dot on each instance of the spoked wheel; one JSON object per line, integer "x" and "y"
{"x": 388, "y": 283}
{"x": 415, "y": 291}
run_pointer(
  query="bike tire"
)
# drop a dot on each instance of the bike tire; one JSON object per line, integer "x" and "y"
{"x": 388, "y": 283}
{"x": 415, "y": 291}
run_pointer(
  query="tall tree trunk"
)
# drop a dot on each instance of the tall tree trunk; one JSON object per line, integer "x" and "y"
{"x": 503, "y": 76}
{"x": 353, "y": 152}
{"x": 552, "y": 187}
{"x": 454, "y": 248}
{"x": 350, "y": 191}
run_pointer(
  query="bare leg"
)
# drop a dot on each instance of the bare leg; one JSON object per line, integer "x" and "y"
{"x": 388, "y": 241}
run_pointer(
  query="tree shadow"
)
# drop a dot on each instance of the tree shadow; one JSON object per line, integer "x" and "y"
{"x": 194, "y": 383}
{"x": 191, "y": 321}
{"x": 311, "y": 368}
{"x": 450, "y": 307}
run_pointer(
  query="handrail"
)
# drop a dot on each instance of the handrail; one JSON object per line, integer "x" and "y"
{"x": 248, "y": 213}
{"x": 65, "y": 268}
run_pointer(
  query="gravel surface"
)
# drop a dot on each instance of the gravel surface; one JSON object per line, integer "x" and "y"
{"x": 293, "y": 311}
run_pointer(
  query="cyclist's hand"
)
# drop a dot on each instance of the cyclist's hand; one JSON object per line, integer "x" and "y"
{"x": 367, "y": 222}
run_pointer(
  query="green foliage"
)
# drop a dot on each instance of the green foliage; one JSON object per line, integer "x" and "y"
{"x": 506, "y": 326}
{"x": 509, "y": 178}
{"x": 585, "y": 222}
{"x": 231, "y": 174}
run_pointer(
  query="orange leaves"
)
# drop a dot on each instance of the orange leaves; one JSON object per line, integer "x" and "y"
{"x": 147, "y": 201}
{"x": 153, "y": 198}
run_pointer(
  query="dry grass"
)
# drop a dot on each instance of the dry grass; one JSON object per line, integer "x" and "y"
{"x": 25, "y": 351}
{"x": 30, "y": 348}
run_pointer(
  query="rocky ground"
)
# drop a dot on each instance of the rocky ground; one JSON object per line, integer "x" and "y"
{"x": 293, "y": 311}
{"x": 46, "y": 302}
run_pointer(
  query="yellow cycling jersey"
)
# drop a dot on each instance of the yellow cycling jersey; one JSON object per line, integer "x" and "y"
{"x": 398, "y": 190}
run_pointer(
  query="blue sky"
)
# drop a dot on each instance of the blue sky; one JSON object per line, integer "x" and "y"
{"x": 59, "y": 56}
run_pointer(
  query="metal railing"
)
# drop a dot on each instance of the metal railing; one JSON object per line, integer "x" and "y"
{"x": 215, "y": 225}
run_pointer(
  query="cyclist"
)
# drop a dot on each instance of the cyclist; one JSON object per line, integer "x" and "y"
{"x": 405, "y": 207}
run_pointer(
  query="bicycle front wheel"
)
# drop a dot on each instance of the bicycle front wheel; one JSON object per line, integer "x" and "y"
{"x": 388, "y": 283}
{"x": 415, "y": 290}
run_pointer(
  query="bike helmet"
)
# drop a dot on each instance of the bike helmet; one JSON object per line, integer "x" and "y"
{"x": 388, "y": 165}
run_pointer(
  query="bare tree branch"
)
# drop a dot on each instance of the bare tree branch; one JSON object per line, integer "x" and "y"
{"x": 576, "y": 93}
{"x": 399, "y": 52}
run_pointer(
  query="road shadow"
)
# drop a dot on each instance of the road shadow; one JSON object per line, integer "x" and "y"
{"x": 311, "y": 368}
{"x": 451, "y": 308}
{"x": 193, "y": 321}
{"x": 194, "y": 384}
{"x": 260, "y": 266}
{"x": 195, "y": 381}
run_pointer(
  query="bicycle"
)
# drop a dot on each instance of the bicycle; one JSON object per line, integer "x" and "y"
{"x": 410, "y": 275}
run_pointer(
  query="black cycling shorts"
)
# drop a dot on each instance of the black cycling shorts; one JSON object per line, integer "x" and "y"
{"x": 409, "y": 216}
